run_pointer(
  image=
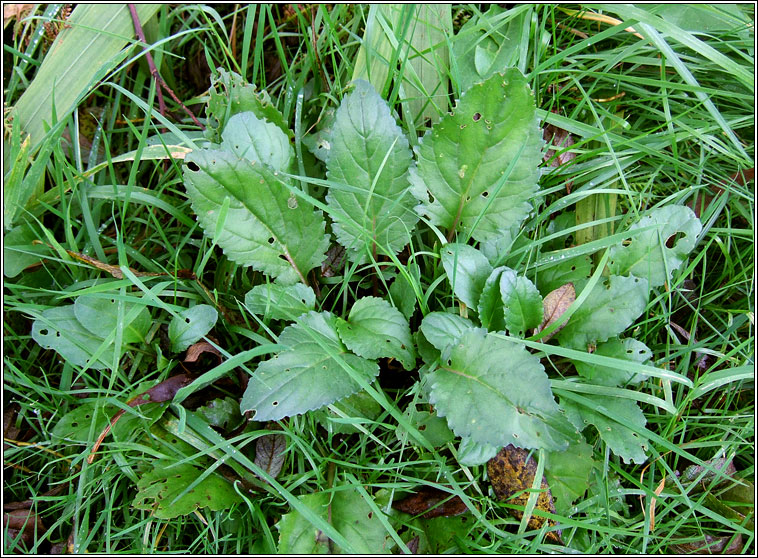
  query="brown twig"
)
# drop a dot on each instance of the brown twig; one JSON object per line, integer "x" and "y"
{"x": 154, "y": 72}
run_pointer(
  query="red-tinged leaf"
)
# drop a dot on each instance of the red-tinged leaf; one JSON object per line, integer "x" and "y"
{"x": 269, "y": 453}
{"x": 199, "y": 348}
{"x": 159, "y": 393}
{"x": 22, "y": 521}
{"x": 413, "y": 544}
{"x": 554, "y": 305}
{"x": 511, "y": 473}
{"x": 559, "y": 140}
{"x": 431, "y": 502}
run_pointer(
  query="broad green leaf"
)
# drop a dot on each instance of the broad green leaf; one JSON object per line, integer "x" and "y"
{"x": 438, "y": 536}
{"x": 576, "y": 270}
{"x": 191, "y": 325}
{"x": 376, "y": 329}
{"x": 624, "y": 349}
{"x": 467, "y": 270}
{"x": 18, "y": 250}
{"x": 59, "y": 329}
{"x": 369, "y": 194}
{"x": 266, "y": 226}
{"x": 280, "y": 302}
{"x": 309, "y": 374}
{"x": 442, "y": 328}
{"x": 490, "y": 306}
{"x": 655, "y": 254}
{"x": 471, "y": 453}
{"x": 96, "y": 38}
{"x": 99, "y": 315}
{"x": 403, "y": 296}
{"x": 433, "y": 427}
{"x": 496, "y": 392}
{"x": 620, "y": 439}
{"x": 230, "y": 94}
{"x": 347, "y": 512}
{"x": 224, "y": 413}
{"x": 163, "y": 490}
{"x": 522, "y": 303}
{"x": 611, "y": 307}
{"x": 477, "y": 168}
{"x": 568, "y": 474}
{"x": 486, "y": 44}
{"x": 251, "y": 138}
{"x": 702, "y": 18}
{"x": 77, "y": 425}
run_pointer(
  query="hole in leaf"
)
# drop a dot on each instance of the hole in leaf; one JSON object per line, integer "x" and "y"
{"x": 477, "y": 116}
{"x": 370, "y": 514}
{"x": 275, "y": 403}
{"x": 187, "y": 320}
{"x": 271, "y": 240}
{"x": 43, "y": 332}
{"x": 485, "y": 194}
{"x": 74, "y": 424}
{"x": 422, "y": 428}
{"x": 192, "y": 166}
{"x": 674, "y": 239}
{"x": 283, "y": 257}
{"x": 573, "y": 268}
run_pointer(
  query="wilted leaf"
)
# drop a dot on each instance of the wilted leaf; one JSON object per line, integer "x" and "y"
{"x": 376, "y": 329}
{"x": 711, "y": 545}
{"x": 431, "y": 502}
{"x": 721, "y": 464}
{"x": 347, "y": 512}
{"x": 191, "y": 325}
{"x": 511, "y": 473}
{"x": 495, "y": 391}
{"x": 334, "y": 262}
{"x": 23, "y": 521}
{"x": 164, "y": 491}
{"x": 554, "y": 306}
{"x": 269, "y": 453}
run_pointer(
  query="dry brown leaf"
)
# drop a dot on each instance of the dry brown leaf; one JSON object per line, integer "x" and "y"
{"x": 15, "y": 11}
{"x": 511, "y": 473}
{"x": 269, "y": 453}
{"x": 554, "y": 305}
{"x": 560, "y": 140}
{"x": 334, "y": 262}
{"x": 10, "y": 432}
{"x": 199, "y": 348}
{"x": 427, "y": 501}
{"x": 711, "y": 545}
{"x": 23, "y": 521}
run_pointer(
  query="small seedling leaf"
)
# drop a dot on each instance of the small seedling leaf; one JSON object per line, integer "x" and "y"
{"x": 494, "y": 391}
{"x": 490, "y": 308}
{"x": 369, "y": 198}
{"x": 376, "y": 329}
{"x": 280, "y": 302}
{"x": 191, "y": 325}
{"x": 309, "y": 374}
{"x": 467, "y": 270}
{"x": 443, "y": 328}
{"x": 522, "y": 303}
{"x": 656, "y": 253}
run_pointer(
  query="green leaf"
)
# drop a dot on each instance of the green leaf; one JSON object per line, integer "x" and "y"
{"x": 433, "y": 427}
{"x": 164, "y": 491}
{"x": 622, "y": 441}
{"x": 496, "y": 392}
{"x": 442, "y": 328}
{"x": 611, "y": 307}
{"x": 376, "y": 329}
{"x": 309, "y": 374}
{"x": 624, "y": 349}
{"x": 59, "y": 329}
{"x": 471, "y": 453}
{"x": 280, "y": 302}
{"x": 369, "y": 194}
{"x": 487, "y": 43}
{"x": 490, "y": 308}
{"x": 702, "y": 18}
{"x": 224, "y": 413}
{"x": 18, "y": 250}
{"x": 347, "y": 512}
{"x": 360, "y": 406}
{"x": 266, "y": 226}
{"x": 99, "y": 315}
{"x": 230, "y": 94}
{"x": 477, "y": 168}
{"x": 576, "y": 270}
{"x": 568, "y": 474}
{"x": 648, "y": 254}
{"x": 403, "y": 296}
{"x": 191, "y": 325}
{"x": 467, "y": 270}
{"x": 251, "y": 138}
{"x": 77, "y": 425}
{"x": 522, "y": 303}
